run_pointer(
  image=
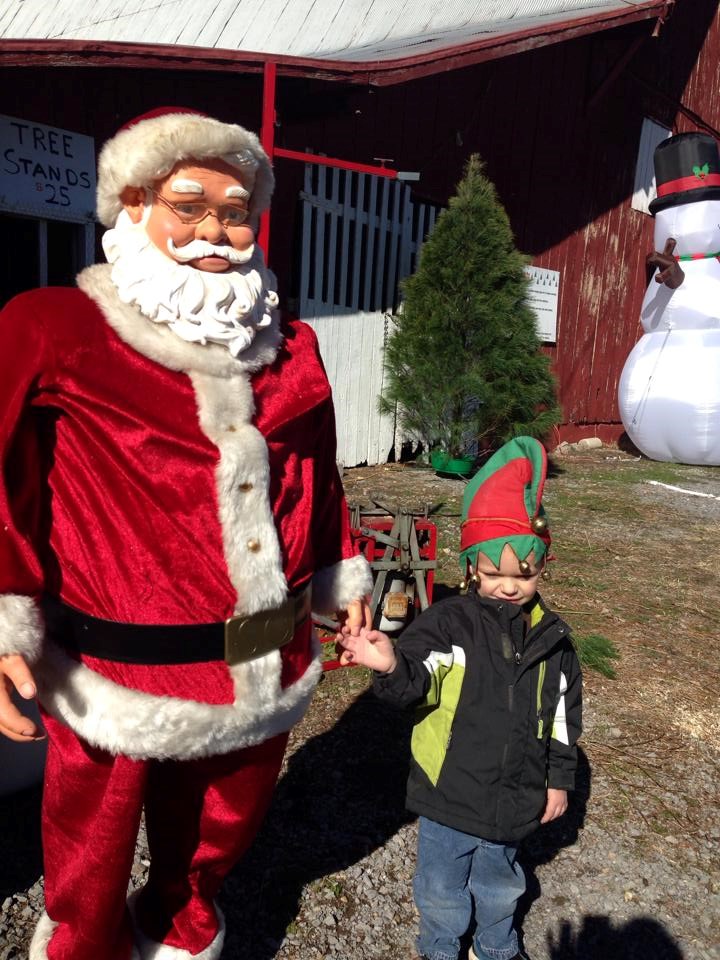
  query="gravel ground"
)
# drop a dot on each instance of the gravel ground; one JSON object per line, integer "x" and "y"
{"x": 330, "y": 874}
{"x": 632, "y": 872}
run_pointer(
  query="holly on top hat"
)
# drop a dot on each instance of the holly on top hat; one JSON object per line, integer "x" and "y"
{"x": 687, "y": 169}
{"x": 146, "y": 149}
{"x": 502, "y": 504}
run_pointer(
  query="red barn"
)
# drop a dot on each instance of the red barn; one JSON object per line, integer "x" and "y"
{"x": 564, "y": 100}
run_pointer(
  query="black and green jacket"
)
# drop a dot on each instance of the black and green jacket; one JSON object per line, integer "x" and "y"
{"x": 498, "y": 712}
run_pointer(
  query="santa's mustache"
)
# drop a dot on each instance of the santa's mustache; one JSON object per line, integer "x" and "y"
{"x": 197, "y": 249}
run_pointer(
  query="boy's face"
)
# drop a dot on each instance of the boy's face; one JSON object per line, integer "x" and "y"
{"x": 508, "y": 582}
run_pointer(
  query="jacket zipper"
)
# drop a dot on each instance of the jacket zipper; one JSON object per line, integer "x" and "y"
{"x": 531, "y": 661}
{"x": 541, "y": 681}
{"x": 517, "y": 657}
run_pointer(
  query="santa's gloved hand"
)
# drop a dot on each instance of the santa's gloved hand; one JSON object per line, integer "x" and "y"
{"x": 357, "y": 615}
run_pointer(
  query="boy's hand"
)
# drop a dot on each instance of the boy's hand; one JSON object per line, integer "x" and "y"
{"x": 370, "y": 648}
{"x": 14, "y": 672}
{"x": 557, "y": 804}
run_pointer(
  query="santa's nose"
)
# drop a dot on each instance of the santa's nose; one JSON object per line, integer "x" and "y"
{"x": 210, "y": 229}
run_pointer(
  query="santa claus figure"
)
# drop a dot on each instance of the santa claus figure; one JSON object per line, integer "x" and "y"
{"x": 170, "y": 511}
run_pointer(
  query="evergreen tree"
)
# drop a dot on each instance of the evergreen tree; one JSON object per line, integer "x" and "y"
{"x": 463, "y": 361}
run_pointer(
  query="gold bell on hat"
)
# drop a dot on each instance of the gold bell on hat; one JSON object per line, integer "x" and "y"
{"x": 466, "y": 583}
{"x": 538, "y": 525}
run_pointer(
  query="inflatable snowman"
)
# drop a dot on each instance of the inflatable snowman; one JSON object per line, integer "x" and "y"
{"x": 669, "y": 392}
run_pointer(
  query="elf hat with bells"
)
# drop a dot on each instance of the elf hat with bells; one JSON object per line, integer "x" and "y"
{"x": 503, "y": 504}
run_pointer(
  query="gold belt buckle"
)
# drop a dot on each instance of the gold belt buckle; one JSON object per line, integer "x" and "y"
{"x": 247, "y": 638}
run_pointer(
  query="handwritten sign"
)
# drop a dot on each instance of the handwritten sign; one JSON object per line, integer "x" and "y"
{"x": 46, "y": 172}
{"x": 542, "y": 298}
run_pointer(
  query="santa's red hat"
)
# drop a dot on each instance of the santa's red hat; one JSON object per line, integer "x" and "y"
{"x": 148, "y": 147}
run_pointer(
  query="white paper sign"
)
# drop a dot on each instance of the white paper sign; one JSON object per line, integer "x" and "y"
{"x": 46, "y": 172}
{"x": 542, "y": 298}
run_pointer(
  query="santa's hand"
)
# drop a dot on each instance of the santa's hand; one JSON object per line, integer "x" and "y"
{"x": 669, "y": 270}
{"x": 357, "y": 616}
{"x": 14, "y": 672}
{"x": 370, "y": 648}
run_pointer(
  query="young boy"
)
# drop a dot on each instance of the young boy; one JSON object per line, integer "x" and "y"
{"x": 496, "y": 684}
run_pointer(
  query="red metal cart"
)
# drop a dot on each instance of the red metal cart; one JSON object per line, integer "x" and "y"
{"x": 401, "y": 548}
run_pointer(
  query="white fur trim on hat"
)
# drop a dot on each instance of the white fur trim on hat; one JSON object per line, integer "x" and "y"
{"x": 21, "y": 627}
{"x": 147, "y": 151}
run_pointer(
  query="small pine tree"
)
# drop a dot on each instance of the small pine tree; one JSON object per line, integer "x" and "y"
{"x": 463, "y": 362}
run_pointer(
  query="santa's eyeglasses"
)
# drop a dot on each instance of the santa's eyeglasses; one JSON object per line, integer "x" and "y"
{"x": 229, "y": 214}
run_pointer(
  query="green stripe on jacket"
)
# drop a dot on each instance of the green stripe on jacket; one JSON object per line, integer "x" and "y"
{"x": 433, "y": 726}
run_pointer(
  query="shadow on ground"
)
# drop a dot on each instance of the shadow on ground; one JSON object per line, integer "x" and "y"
{"x": 597, "y": 939}
{"x": 543, "y": 845}
{"x": 594, "y": 937}
{"x": 20, "y": 843}
{"x": 333, "y": 806}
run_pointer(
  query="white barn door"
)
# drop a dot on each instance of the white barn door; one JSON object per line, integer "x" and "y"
{"x": 361, "y": 234}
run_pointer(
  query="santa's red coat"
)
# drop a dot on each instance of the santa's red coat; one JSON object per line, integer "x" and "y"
{"x": 150, "y": 480}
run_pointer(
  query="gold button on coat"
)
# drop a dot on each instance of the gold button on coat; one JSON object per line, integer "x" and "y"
{"x": 253, "y": 545}
{"x": 245, "y": 487}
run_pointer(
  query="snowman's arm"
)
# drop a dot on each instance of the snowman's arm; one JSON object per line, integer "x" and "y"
{"x": 669, "y": 271}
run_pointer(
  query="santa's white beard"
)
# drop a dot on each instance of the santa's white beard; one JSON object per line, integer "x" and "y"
{"x": 197, "y": 305}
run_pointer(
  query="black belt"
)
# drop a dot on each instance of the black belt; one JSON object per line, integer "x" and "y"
{"x": 236, "y": 640}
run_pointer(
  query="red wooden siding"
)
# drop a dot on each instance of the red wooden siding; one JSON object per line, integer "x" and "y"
{"x": 563, "y": 159}
{"x": 564, "y": 168}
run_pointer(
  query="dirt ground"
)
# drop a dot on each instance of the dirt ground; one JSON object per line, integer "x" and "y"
{"x": 636, "y": 563}
{"x": 630, "y": 873}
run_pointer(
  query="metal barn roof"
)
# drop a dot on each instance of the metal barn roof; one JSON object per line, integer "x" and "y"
{"x": 336, "y": 35}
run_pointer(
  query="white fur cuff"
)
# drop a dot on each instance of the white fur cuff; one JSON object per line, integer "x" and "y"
{"x": 334, "y": 587}
{"x": 151, "y": 950}
{"x": 41, "y": 938}
{"x": 21, "y": 627}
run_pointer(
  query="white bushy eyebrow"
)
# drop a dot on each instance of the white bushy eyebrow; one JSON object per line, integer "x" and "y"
{"x": 240, "y": 192}
{"x": 186, "y": 186}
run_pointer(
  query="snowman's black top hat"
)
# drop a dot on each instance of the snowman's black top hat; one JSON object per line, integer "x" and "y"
{"x": 687, "y": 168}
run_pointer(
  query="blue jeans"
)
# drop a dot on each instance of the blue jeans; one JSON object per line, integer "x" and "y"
{"x": 456, "y": 872}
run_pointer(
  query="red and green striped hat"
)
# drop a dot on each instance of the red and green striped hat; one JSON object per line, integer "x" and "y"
{"x": 503, "y": 504}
